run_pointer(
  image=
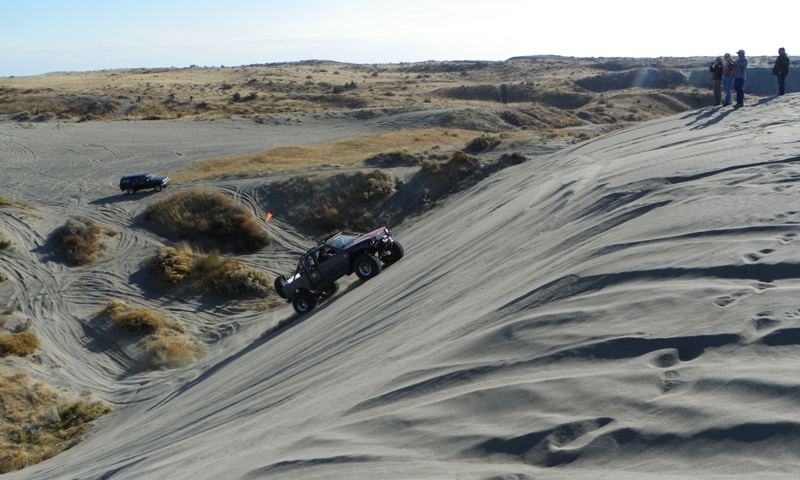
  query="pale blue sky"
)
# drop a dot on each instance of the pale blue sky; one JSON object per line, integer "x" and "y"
{"x": 40, "y": 36}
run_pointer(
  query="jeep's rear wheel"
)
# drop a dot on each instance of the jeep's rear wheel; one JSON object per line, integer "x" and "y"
{"x": 367, "y": 266}
{"x": 158, "y": 188}
{"x": 304, "y": 302}
{"x": 131, "y": 191}
{"x": 278, "y": 285}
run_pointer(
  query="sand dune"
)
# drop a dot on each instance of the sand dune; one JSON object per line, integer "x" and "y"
{"x": 626, "y": 307}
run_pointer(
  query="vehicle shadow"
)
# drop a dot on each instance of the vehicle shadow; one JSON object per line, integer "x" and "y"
{"x": 122, "y": 197}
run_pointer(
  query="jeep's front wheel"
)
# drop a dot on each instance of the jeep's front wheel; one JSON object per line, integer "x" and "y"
{"x": 396, "y": 252}
{"x": 304, "y": 302}
{"x": 158, "y": 188}
{"x": 367, "y": 266}
{"x": 278, "y": 285}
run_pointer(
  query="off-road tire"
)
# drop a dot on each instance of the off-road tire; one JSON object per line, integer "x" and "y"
{"x": 330, "y": 291}
{"x": 157, "y": 188}
{"x": 396, "y": 253}
{"x": 303, "y": 302}
{"x": 131, "y": 191}
{"x": 278, "y": 285}
{"x": 366, "y": 266}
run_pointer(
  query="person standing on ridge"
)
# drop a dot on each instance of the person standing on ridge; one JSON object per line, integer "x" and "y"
{"x": 716, "y": 75}
{"x": 739, "y": 76}
{"x": 781, "y": 70}
{"x": 727, "y": 79}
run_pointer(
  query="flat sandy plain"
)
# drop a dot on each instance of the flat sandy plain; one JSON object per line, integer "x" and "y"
{"x": 626, "y": 307}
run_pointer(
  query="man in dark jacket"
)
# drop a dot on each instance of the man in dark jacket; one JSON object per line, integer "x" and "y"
{"x": 781, "y": 70}
{"x": 716, "y": 75}
{"x": 739, "y": 76}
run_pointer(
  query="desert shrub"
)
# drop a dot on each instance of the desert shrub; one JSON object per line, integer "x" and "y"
{"x": 170, "y": 349}
{"x": 246, "y": 279}
{"x": 36, "y": 423}
{"x": 174, "y": 264}
{"x": 431, "y": 166}
{"x": 205, "y": 212}
{"x": 482, "y": 143}
{"x": 20, "y": 344}
{"x": 8, "y": 201}
{"x": 80, "y": 239}
{"x": 23, "y": 116}
{"x": 455, "y": 166}
{"x": 138, "y": 319}
{"x": 399, "y": 157}
{"x": 513, "y": 158}
{"x": 342, "y": 201}
{"x": 44, "y": 117}
{"x": 74, "y": 417}
{"x": 209, "y": 272}
{"x": 166, "y": 343}
{"x": 148, "y": 110}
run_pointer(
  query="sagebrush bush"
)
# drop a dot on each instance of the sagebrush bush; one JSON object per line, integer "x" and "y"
{"x": 209, "y": 272}
{"x": 19, "y": 344}
{"x": 456, "y": 166}
{"x": 80, "y": 239}
{"x": 170, "y": 349}
{"x": 166, "y": 343}
{"x": 138, "y": 319}
{"x": 205, "y": 212}
{"x": 5, "y": 242}
{"x": 347, "y": 201}
{"x": 74, "y": 417}
{"x": 173, "y": 264}
{"x": 36, "y": 423}
{"x": 482, "y": 143}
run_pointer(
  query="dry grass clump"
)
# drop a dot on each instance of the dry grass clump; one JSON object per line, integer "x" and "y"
{"x": 455, "y": 166}
{"x": 208, "y": 272}
{"x": 395, "y": 158}
{"x": 138, "y": 319}
{"x": 174, "y": 264}
{"x": 482, "y": 143}
{"x": 20, "y": 344}
{"x": 347, "y": 200}
{"x": 166, "y": 343}
{"x": 36, "y": 423}
{"x": 206, "y": 212}
{"x": 81, "y": 239}
{"x": 4, "y": 241}
{"x": 171, "y": 349}
{"x": 8, "y": 202}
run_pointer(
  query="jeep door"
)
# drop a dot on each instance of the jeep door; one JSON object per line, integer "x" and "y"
{"x": 311, "y": 266}
{"x": 333, "y": 262}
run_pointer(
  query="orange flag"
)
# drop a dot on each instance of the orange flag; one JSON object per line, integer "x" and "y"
{"x": 269, "y": 216}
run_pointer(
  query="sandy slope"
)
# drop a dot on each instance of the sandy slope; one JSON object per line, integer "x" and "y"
{"x": 625, "y": 307}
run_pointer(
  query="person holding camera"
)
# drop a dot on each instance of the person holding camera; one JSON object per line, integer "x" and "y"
{"x": 727, "y": 78}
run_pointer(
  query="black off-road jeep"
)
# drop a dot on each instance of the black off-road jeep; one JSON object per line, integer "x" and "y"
{"x": 340, "y": 255}
{"x": 140, "y": 181}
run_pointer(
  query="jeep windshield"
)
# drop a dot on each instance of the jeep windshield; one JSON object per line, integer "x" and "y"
{"x": 340, "y": 241}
